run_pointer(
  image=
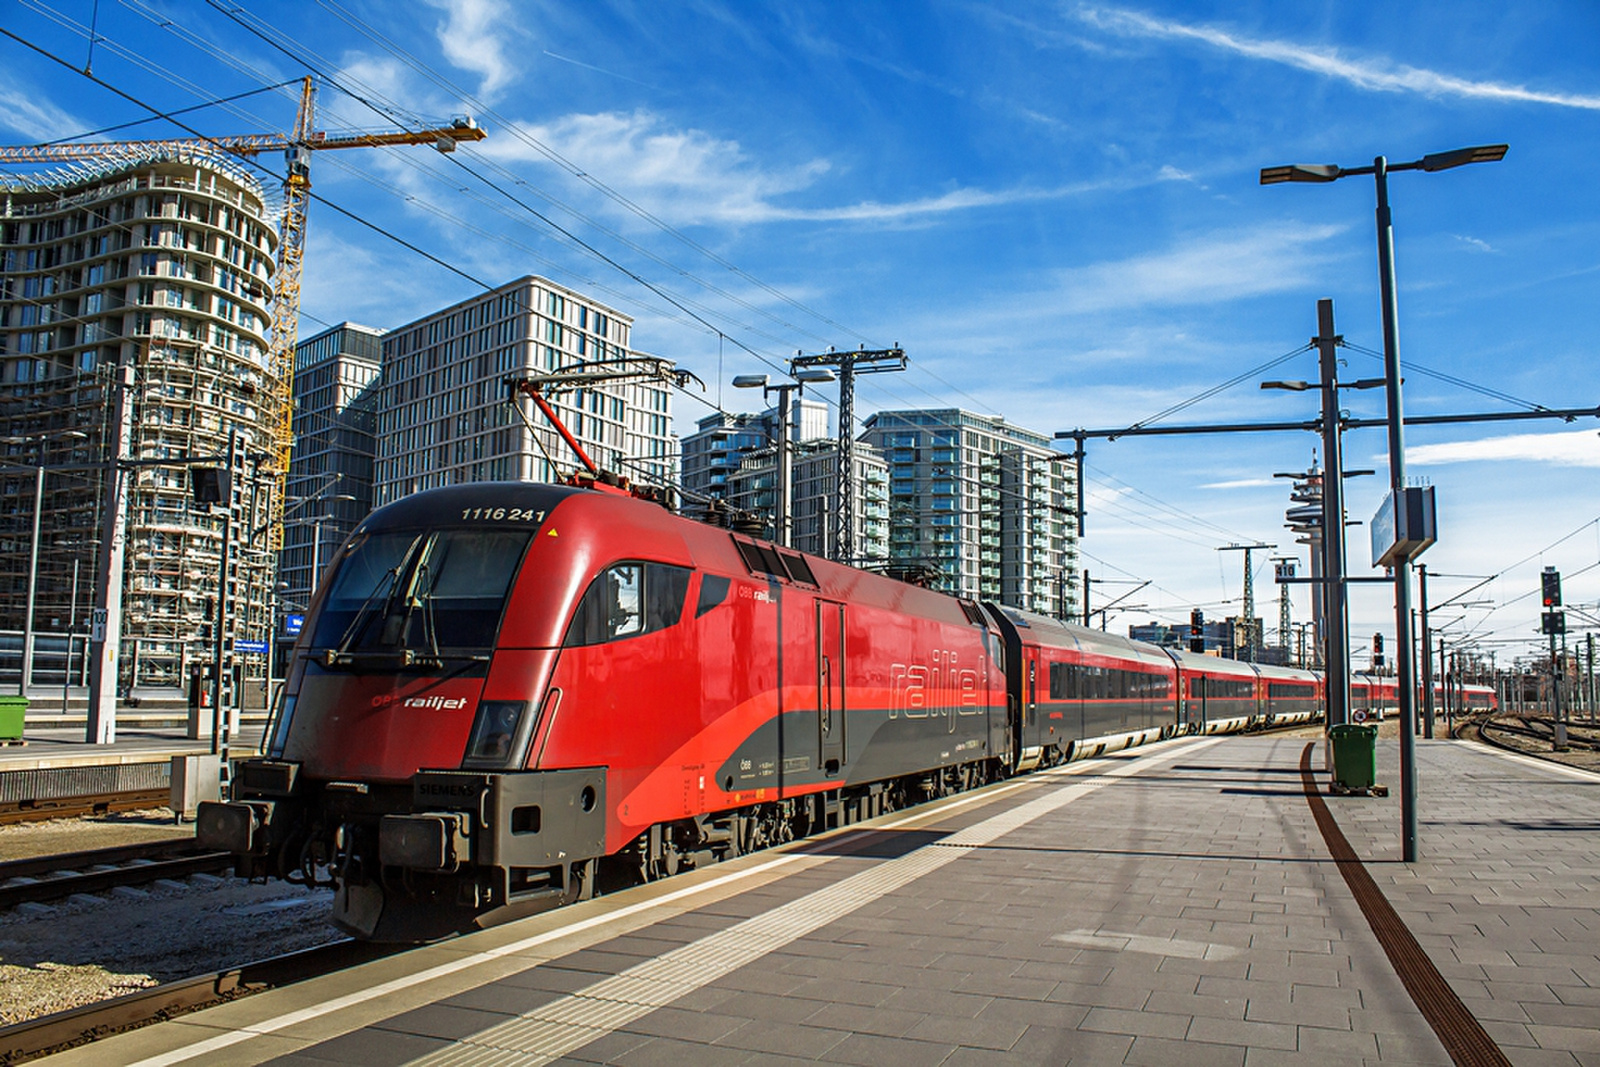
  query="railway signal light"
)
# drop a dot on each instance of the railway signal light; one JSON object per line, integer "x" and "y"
{"x": 1197, "y": 631}
{"x": 1377, "y": 650}
{"x": 1551, "y": 586}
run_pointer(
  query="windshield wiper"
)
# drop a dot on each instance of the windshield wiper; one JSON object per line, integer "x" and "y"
{"x": 340, "y": 655}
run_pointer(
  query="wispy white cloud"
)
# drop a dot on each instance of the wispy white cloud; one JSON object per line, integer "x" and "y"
{"x": 32, "y": 115}
{"x": 1575, "y": 448}
{"x": 1242, "y": 483}
{"x": 473, "y": 36}
{"x": 1214, "y": 267}
{"x": 1473, "y": 243}
{"x": 1375, "y": 74}
{"x": 691, "y": 176}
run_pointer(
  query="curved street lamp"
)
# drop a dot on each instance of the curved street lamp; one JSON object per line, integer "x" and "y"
{"x": 1380, "y": 170}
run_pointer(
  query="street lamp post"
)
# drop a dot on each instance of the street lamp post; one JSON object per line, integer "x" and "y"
{"x": 33, "y": 584}
{"x": 783, "y": 525}
{"x": 1380, "y": 171}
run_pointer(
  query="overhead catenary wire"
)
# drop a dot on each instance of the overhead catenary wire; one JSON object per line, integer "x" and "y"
{"x": 392, "y": 112}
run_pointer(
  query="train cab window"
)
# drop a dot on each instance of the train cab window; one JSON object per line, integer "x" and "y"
{"x": 420, "y": 591}
{"x": 627, "y": 600}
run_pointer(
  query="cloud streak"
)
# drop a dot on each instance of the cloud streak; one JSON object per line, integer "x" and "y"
{"x": 1374, "y": 75}
{"x": 1576, "y": 448}
{"x": 1216, "y": 268}
{"x": 32, "y": 115}
{"x": 690, "y": 176}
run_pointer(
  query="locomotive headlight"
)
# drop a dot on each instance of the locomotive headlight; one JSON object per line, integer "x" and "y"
{"x": 494, "y": 732}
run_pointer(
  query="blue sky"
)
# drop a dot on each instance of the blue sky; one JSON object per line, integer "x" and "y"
{"x": 1054, "y": 207}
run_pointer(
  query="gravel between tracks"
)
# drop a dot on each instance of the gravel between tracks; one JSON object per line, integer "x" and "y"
{"x": 87, "y": 949}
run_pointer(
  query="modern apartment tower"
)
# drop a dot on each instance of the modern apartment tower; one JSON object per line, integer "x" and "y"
{"x": 445, "y": 415}
{"x": 723, "y": 440}
{"x": 330, "y": 472}
{"x": 814, "y": 469}
{"x": 142, "y": 279}
{"x": 982, "y": 503}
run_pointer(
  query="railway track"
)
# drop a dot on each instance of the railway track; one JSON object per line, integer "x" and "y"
{"x": 1534, "y": 736}
{"x": 46, "y": 878}
{"x": 79, "y": 1026}
{"x": 21, "y": 811}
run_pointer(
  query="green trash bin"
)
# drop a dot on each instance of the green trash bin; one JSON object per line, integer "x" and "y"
{"x": 1355, "y": 757}
{"x": 13, "y": 710}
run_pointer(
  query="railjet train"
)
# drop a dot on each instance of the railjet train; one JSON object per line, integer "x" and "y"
{"x": 505, "y": 692}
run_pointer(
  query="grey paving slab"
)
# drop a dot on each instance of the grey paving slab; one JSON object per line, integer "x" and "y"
{"x": 1188, "y": 911}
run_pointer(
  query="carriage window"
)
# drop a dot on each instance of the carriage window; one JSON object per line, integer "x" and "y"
{"x": 629, "y": 599}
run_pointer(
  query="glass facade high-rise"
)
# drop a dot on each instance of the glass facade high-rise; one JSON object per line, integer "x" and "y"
{"x": 982, "y": 503}
{"x": 330, "y": 472}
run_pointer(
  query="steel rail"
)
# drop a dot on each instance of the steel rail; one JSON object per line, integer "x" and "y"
{"x": 34, "y": 866}
{"x": 80, "y": 1026}
{"x": 73, "y": 881}
{"x": 97, "y": 804}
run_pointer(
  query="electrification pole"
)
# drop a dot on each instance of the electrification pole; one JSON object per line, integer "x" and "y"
{"x": 849, "y": 364}
{"x": 1249, "y": 601}
{"x": 106, "y": 629}
{"x": 1337, "y": 653}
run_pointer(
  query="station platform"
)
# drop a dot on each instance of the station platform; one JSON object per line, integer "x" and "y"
{"x": 1198, "y": 901}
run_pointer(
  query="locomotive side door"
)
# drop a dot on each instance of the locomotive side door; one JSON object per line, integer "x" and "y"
{"x": 831, "y": 722}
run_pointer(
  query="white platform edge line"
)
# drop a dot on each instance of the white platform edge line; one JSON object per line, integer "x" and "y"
{"x": 1534, "y": 761}
{"x": 270, "y": 1026}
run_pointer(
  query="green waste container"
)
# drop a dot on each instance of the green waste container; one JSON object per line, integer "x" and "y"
{"x": 1355, "y": 757}
{"x": 12, "y": 711}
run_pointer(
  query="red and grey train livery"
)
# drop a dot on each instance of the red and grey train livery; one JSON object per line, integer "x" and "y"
{"x": 504, "y": 691}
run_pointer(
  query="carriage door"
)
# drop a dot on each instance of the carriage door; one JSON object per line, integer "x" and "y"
{"x": 830, "y": 685}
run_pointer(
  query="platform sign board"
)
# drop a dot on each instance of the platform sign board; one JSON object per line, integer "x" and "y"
{"x": 254, "y": 648}
{"x": 1284, "y": 572}
{"x": 97, "y": 625}
{"x": 1403, "y": 528}
{"x": 293, "y": 624}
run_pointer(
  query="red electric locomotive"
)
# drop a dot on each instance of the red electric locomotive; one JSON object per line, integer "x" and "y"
{"x": 499, "y": 684}
{"x": 502, "y": 686}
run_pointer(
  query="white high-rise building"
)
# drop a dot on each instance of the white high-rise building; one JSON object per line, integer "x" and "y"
{"x": 444, "y": 416}
{"x": 981, "y": 502}
{"x": 814, "y": 467}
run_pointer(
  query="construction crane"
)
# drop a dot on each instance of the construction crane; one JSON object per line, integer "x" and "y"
{"x": 297, "y": 148}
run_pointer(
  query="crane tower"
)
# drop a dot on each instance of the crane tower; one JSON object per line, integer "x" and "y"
{"x": 297, "y": 148}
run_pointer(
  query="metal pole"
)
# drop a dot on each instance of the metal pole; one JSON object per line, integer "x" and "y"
{"x": 106, "y": 633}
{"x": 33, "y": 584}
{"x": 845, "y": 537}
{"x": 316, "y": 558}
{"x": 1591, "y": 640}
{"x": 785, "y": 523}
{"x": 72, "y": 624}
{"x": 1427, "y": 653}
{"x": 1086, "y": 615}
{"x": 1397, "y": 485}
{"x": 1338, "y": 621}
{"x": 219, "y": 643}
{"x": 1444, "y": 677}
